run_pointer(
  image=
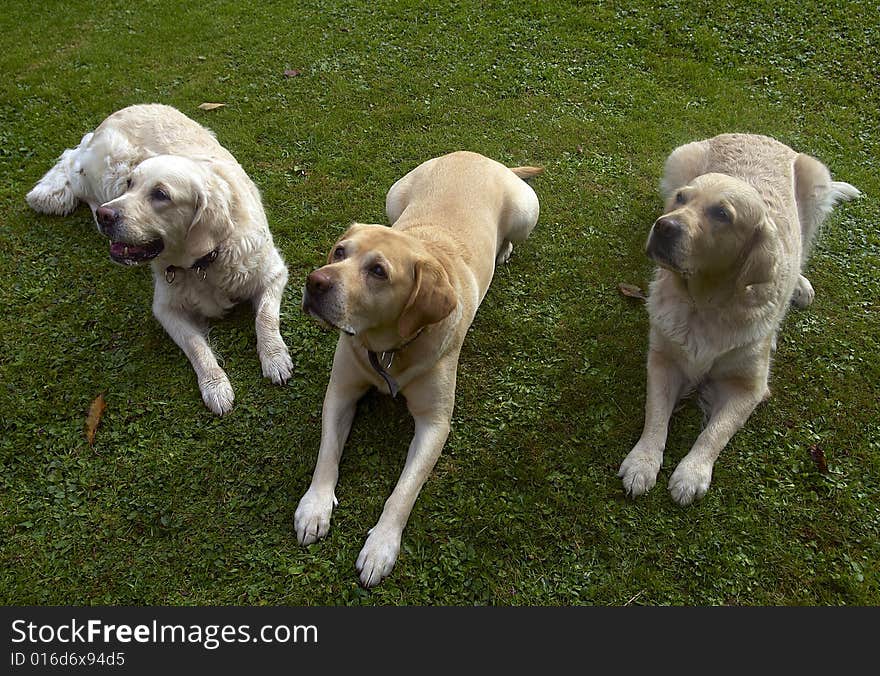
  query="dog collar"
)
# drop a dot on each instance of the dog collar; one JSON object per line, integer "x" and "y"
{"x": 200, "y": 266}
{"x": 382, "y": 362}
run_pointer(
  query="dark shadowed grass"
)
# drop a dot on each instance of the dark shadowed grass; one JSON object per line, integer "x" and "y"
{"x": 173, "y": 505}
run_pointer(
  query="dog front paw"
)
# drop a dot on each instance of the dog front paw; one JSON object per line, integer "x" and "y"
{"x": 690, "y": 480}
{"x": 378, "y": 556}
{"x": 312, "y": 517}
{"x": 276, "y": 362}
{"x": 639, "y": 471}
{"x": 217, "y": 392}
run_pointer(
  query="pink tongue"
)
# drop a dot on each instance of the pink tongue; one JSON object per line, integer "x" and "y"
{"x": 118, "y": 249}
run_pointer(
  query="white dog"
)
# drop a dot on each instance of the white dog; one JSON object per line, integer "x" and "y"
{"x": 742, "y": 213}
{"x": 164, "y": 190}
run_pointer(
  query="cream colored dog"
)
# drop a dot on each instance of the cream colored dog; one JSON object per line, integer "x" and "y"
{"x": 403, "y": 298}
{"x": 96, "y": 171}
{"x": 742, "y": 213}
{"x": 163, "y": 190}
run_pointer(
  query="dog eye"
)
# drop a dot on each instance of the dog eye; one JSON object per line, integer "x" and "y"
{"x": 160, "y": 195}
{"x": 128, "y": 184}
{"x": 680, "y": 198}
{"x": 338, "y": 253}
{"x": 378, "y": 271}
{"x": 719, "y": 213}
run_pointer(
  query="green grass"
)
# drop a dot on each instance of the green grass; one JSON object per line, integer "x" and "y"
{"x": 175, "y": 506}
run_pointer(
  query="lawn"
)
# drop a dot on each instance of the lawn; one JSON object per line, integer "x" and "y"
{"x": 172, "y": 505}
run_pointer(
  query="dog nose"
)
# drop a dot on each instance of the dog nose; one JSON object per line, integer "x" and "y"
{"x": 107, "y": 218}
{"x": 667, "y": 227}
{"x": 664, "y": 241}
{"x": 318, "y": 282}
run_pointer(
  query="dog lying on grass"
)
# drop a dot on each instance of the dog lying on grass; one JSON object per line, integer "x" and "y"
{"x": 402, "y": 299}
{"x": 742, "y": 212}
{"x": 163, "y": 190}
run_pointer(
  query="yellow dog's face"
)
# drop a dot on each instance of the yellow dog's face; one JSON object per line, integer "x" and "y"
{"x": 377, "y": 278}
{"x": 709, "y": 226}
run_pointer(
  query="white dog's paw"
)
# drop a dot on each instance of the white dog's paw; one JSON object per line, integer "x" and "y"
{"x": 276, "y": 362}
{"x": 217, "y": 392}
{"x": 312, "y": 517}
{"x": 690, "y": 480}
{"x": 52, "y": 195}
{"x": 504, "y": 255}
{"x": 803, "y": 293}
{"x": 378, "y": 556}
{"x": 639, "y": 471}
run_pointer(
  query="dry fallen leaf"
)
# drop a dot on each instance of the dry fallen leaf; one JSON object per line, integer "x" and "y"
{"x": 292, "y": 72}
{"x": 93, "y": 419}
{"x": 211, "y": 106}
{"x": 818, "y": 456}
{"x": 632, "y": 291}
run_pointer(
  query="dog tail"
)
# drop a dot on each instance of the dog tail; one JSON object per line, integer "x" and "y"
{"x": 527, "y": 173}
{"x": 53, "y": 194}
{"x": 842, "y": 192}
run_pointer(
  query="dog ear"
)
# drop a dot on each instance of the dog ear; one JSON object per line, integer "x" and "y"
{"x": 212, "y": 222}
{"x": 760, "y": 256}
{"x": 432, "y": 297}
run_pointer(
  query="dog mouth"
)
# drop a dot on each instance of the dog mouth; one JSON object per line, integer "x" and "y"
{"x": 309, "y": 308}
{"x": 669, "y": 264}
{"x": 664, "y": 261}
{"x": 664, "y": 254}
{"x": 134, "y": 254}
{"x": 672, "y": 268}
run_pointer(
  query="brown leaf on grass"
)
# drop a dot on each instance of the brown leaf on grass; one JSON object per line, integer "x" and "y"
{"x": 632, "y": 291}
{"x": 211, "y": 106}
{"x": 292, "y": 72}
{"x": 93, "y": 419}
{"x": 818, "y": 456}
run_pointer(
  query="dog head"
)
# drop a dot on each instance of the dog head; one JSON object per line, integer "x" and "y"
{"x": 712, "y": 224}
{"x": 379, "y": 279}
{"x": 174, "y": 204}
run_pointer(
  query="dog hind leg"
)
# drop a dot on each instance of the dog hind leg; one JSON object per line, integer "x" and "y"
{"x": 683, "y": 165}
{"x": 816, "y": 195}
{"x": 53, "y": 194}
{"x": 520, "y": 213}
